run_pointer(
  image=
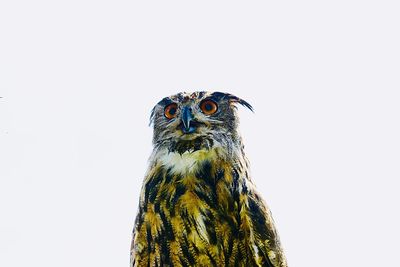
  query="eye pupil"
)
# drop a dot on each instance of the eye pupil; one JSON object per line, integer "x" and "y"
{"x": 208, "y": 107}
{"x": 172, "y": 111}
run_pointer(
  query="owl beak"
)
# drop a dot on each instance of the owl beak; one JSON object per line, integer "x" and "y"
{"x": 187, "y": 118}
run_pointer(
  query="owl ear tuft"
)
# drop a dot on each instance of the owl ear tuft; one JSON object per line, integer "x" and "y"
{"x": 232, "y": 99}
{"x": 151, "y": 120}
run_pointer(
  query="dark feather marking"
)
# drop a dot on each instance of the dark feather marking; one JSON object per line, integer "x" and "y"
{"x": 166, "y": 235}
{"x": 140, "y": 218}
{"x": 189, "y": 145}
{"x": 239, "y": 257}
{"x": 180, "y": 97}
{"x": 211, "y": 201}
{"x": 204, "y": 174}
{"x": 214, "y": 263}
{"x": 165, "y": 259}
{"x": 149, "y": 238}
{"x": 151, "y": 188}
{"x": 183, "y": 146}
{"x": 231, "y": 223}
{"x": 201, "y": 94}
{"x": 183, "y": 261}
{"x": 219, "y": 96}
{"x": 268, "y": 262}
{"x": 168, "y": 230}
{"x": 209, "y": 222}
{"x": 187, "y": 219}
{"x": 259, "y": 220}
{"x": 186, "y": 253}
{"x": 168, "y": 176}
{"x": 164, "y": 194}
{"x": 180, "y": 189}
{"x": 244, "y": 188}
{"x": 186, "y": 223}
{"x": 235, "y": 187}
{"x": 219, "y": 174}
{"x": 228, "y": 253}
{"x": 157, "y": 207}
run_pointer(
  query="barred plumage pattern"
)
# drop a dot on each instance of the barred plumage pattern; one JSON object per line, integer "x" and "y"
{"x": 204, "y": 212}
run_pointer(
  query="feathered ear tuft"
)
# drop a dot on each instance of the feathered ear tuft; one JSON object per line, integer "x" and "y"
{"x": 232, "y": 98}
{"x": 153, "y": 110}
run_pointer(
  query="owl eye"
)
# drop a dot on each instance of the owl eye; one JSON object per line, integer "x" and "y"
{"x": 170, "y": 111}
{"x": 208, "y": 107}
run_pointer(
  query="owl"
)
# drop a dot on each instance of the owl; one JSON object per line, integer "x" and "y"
{"x": 198, "y": 205}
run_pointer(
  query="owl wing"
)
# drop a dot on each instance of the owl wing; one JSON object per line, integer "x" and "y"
{"x": 266, "y": 237}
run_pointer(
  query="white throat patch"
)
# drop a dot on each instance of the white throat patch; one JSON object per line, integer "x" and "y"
{"x": 185, "y": 163}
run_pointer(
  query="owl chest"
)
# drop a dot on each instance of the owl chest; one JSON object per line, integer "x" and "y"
{"x": 196, "y": 205}
{"x": 194, "y": 214}
{"x": 190, "y": 208}
{"x": 187, "y": 222}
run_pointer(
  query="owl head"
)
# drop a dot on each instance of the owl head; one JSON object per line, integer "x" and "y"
{"x": 199, "y": 120}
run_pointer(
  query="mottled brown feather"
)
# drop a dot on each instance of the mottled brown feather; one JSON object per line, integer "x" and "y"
{"x": 198, "y": 205}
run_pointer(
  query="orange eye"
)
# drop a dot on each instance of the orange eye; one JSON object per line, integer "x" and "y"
{"x": 208, "y": 107}
{"x": 170, "y": 111}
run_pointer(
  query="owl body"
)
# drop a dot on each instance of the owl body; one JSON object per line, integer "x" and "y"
{"x": 198, "y": 205}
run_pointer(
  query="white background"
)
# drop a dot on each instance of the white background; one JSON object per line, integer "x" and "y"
{"x": 78, "y": 80}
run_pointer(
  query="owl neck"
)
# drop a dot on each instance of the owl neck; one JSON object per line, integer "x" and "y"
{"x": 186, "y": 162}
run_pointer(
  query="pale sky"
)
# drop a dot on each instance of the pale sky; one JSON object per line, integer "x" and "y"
{"x": 78, "y": 80}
